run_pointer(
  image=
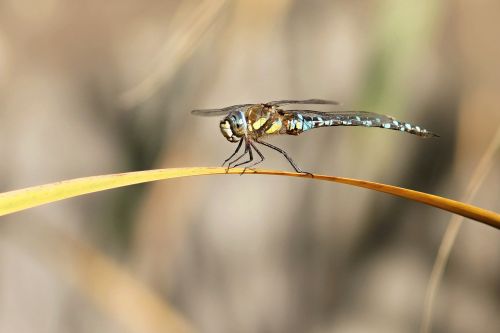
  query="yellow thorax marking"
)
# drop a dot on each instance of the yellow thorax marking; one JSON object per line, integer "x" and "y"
{"x": 275, "y": 127}
{"x": 258, "y": 123}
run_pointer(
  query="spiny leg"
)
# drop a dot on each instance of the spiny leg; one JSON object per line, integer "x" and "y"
{"x": 295, "y": 166}
{"x": 250, "y": 154}
{"x": 231, "y": 164}
{"x": 235, "y": 152}
{"x": 262, "y": 158}
{"x": 281, "y": 151}
{"x": 251, "y": 158}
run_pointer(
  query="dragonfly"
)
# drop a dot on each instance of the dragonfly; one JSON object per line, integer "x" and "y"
{"x": 250, "y": 124}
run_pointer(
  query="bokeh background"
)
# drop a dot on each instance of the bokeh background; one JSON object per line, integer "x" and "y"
{"x": 95, "y": 87}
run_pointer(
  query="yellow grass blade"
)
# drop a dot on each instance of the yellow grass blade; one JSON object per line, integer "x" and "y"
{"x": 15, "y": 201}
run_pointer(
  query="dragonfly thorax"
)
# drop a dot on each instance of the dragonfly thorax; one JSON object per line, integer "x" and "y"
{"x": 233, "y": 126}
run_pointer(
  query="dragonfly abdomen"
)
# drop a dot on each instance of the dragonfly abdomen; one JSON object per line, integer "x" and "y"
{"x": 300, "y": 123}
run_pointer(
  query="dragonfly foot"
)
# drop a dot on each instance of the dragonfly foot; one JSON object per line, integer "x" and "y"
{"x": 307, "y": 173}
{"x": 247, "y": 168}
{"x": 298, "y": 170}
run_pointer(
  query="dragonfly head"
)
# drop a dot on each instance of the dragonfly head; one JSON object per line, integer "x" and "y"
{"x": 234, "y": 126}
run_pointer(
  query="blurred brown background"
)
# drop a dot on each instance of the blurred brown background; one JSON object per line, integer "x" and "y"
{"x": 97, "y": 87}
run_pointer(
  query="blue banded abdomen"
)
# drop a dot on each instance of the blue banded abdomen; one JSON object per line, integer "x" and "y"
{"x": 300, "y": 123}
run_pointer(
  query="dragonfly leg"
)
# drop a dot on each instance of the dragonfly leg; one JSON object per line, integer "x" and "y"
{"x": 231, "y": 164}
{"x": 235, "y": 152}
{"x": 250, "y": 155}
{"x": 262, "y": 158}
{"x": 295, "y": 166}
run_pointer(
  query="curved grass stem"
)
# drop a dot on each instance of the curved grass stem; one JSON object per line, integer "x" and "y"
{"x": 18, "y": 200}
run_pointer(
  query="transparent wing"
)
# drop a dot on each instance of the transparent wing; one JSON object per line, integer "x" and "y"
{"x": 306, "y": 101}
{"x": 219, "y": 112}
{"x": 226, "y": 110}
{"x": 210, "y": 112}
{"x": 343, "y": 115}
